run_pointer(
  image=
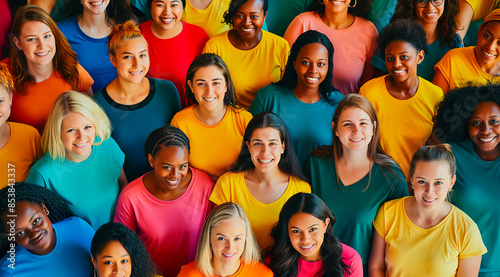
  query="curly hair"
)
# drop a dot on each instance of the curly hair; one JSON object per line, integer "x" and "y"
{"x": 235, "y": 5}
{"x": 142, "y": 265}
{"x": 6, "y": 80}
{"x": 446, "y": 27}
{"x": 117, "y": 11}
{"x": 407, "y": 30}
{"x": 362, "y": 8}
{"x": 454, "y": 112}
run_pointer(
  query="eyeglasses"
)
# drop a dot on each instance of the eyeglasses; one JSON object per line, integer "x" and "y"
{"x": 424, "y": 3}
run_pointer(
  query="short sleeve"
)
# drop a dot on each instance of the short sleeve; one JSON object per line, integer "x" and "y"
{"x": 352, "y": 258}
{"x": 293, "y": 31}
{"x": 257, "y": 106}
{"x": 444, "y": 66}
{"x": 84, "y": 79}
{"x": 399, "y": 188}
{"x": 36, "y": 178}
{"x": 220, "y": 194}
{"x": 124, "y": 213}
{"x": 379, "y": 221}
{"x": 472, "y": 243}
{"x": 174, "y": 121}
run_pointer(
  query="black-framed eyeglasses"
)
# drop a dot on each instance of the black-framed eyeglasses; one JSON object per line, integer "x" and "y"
{"x": 424, "y": 3}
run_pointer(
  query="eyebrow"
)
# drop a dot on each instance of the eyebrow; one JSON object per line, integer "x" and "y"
{"x": 262, "y": 140}
{"x": 219, "y": 234}
{"x": 310, "y": 58}
{"x": 31, "y": 219}
{"x": 42, "y": 34}
{"x": 124, "y": 255}
{"x": 130, "y": 53}
{"x": 203, "y": 80}
{"x": 307, "y": 227}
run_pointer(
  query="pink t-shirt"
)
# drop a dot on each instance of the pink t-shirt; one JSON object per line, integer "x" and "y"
{"x": 169, "y": 229}
{"x": 349, "y": 257}
{"x": 353, "y": 48}
{"x": 171, "y": 58}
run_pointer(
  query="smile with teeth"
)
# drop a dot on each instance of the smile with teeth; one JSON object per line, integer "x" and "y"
{"x": 486, "y": 140}
{"x": 312, "y": 79}
{"x": 489, "y": 54}
{"x": 42, "y": 54}
{"x": 429, "y": 200}
{"x": 173, "y": 182}
{"x": 265, "y": 161}
{"x": 167, "y": 20}
{"x": 81, "y": 145}
{"x": 247, "y": 30}
{"x": 136, "y": 72}
{"x": 337, "y": 2}
{"x": 430, "y": 14}
{"x": 228, "y": 255}
{"x": 399, "y": 71}
{"x": 210, "y": 99}
{"x": 97, "y": 3}
{"x": 307, "y": 247}
{"x": 356, "y": 140}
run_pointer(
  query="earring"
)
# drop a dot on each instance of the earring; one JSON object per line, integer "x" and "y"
{"x": 355, "y": 3}
{"x": 95, "y": 272}
{"x": 412, "y": 187}
{"x": 322, "y": 3}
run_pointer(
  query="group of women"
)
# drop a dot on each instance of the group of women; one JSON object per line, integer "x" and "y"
{"x": 146, "y": 125}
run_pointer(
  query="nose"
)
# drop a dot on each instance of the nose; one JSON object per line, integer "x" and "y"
{"x": 485, "y": 128}
{"x": 313, "y": 68}
{"x": 248, "y": 20}
{"x": 175, "y": 172}
{"x": 429, "y": 188}
{"x": 229, "y": 245}
{"x": 78, "y": 134}
{"x": 304, "y": 237}
{"x": 397, "y": 61}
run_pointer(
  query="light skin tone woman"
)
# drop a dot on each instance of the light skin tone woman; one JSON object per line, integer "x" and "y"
{"x": 93, "y": 21}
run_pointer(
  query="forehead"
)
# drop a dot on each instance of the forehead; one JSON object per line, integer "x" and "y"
{"x": 34, "y": 28}
{"x": 232, "y": 226}
{"x": 252, "y": 6}
{"x": 487, "y": 109}
{"x": 133, "y": 44}
{"x": 399, "y": 46}
{"x": 266, "y": 133}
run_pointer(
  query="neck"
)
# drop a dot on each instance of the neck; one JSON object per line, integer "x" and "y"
{"x": 209, "y": 117}
{"x": 305, "y": 94}
{"x": 126, "y": 88}
{"x": 266, "y": 178}
{"x": 402, "y": 90}
{"x": 358, "y": 158}
{"x": 338, "y": 21}
{"x": 488, "y": 156}
{"x": 427, "y": 217}
{"x": 40, "y": 72}
{"x": 225, "y": 269}
{"x": 430, "y": 31}
{"x": 166, "y": 34}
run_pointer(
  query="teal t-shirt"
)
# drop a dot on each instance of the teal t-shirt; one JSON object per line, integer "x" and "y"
{"x": 309, "y": 125}
{"x": 381, "y": 13}
{"x": 355, "y": 206}
{"x": 477, "y": 193}
{"x": 281, "y": 12}
{"x": 90, "y": 187}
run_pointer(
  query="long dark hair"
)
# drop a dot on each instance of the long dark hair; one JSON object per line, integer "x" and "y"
{"x": 284, "y": 262}
{"x": 117, "y": 11}
{"x": 289, "y": 79}
{"x": 288, "y": 163}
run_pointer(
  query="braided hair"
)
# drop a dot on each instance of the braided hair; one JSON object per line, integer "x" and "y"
{"x": 165, "y": 136}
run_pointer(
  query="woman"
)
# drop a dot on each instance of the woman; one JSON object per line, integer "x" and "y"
{"x": 304, "y": 242}
{"x": 264, "y": 177}
{"x": 214, "y": 124}
{"x": 438, "y": 20}
{"x": 354, "y": 176}
{"x": 87, "y": 32}
{"x": 49, "y": 241}
{"x": 468, "y": 118}
{"x": 208, "y": 14}
{"x": 440, "y": 239}
{"x": 479, "y": 64}
{"x": 404, "y": 102}
{"x": 44, "y": 65}
{"x": 116, "y": 249}
{"x": 255, "y": 57}
{"x": 227, "y": 247}
{"x": 172, "y": 43}
{"x": 167, "y": 206}
{"x": 353, "y": 37}
{"x": 134, "y": 100}
{"x": 82, "y": 163}
{"x": 305, "y": 97}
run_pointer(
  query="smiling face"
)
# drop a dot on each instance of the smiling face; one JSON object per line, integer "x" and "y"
{"x": 77, "y": 135}
{"x": 113, "y": 260}
{"x": 94, "y": 6}
{"x": 311, "y": 65}
{"x": 431, "y": 182}
{"x": 249, "y": 19}
{"x": 265, "y": 148}
{"x": 306, "y": 233}
{"x": 171, "y": 167}
{"x": 167, "y": 16}
{"x": 430, "y": 14}
{"x": 487, "y": 50}
{"x": 5, "y": 103}
{"x": 37, "y": 43}
{"x": 401, "y": 60}
{"x": 355, "y": 129}
{"x": 337, "y": 6}
{"x": 209, "y": 88}
{"x": 484, "y": 130}
{"x": 132, "y": 60}
{"x": 228, "y": 242}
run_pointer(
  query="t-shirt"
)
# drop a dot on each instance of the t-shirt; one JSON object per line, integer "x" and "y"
{"x": 482, "y": 8}
{"x": 309, "y": 124}
{"x": 414, "y": 251}
{"x": 214, "y": 148}
{"x": 231, "y": 187}
{"x": 405, "y": 125}
{"x": 210, "y": 19}
{"x": 476, "y": 192}
{"x": 155, "y": 111}
{"x": 70, "y": 256}
{"x": 245, "y": 270}
{"x": 90, "y": 187}
{"x": 169, "y": 229}
{"x": 34, "y": 108}
{"x": 281, "y": 12}
{"x": 381, "y": 13}
{"x": 171, "y": 58}
{"x": 354, "y": 48}
{"x": 19, "y": 154}
{"x": 356, "y": 205}
{"x": 251, "y": 69}
{"x": 460, "y": 66}
{"x": 92, "y": 53}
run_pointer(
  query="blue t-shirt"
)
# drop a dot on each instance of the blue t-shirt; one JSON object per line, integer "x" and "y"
{"x": 132, "y": 124}
{"x": 309, "y": 125}
{"x": 92, "y": 53}
{"x": 90, "y": 187}
{"x": 70, "y": 256}
{"x": 477, "y": 192}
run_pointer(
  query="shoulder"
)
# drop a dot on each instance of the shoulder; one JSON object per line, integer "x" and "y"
{"x": 67, "y": 24}
{"x": 76, "y": 226}
{"x": 146, "y": 28}
{"x": 192, "y": 29}
{"x": 308, "y": 16}
{"x": 371, "y": 86}
{"x": 190, "y": 270}
{"x": 24, "y": 129}
{"x": 351, "y": 257}
{"x": 301, "y": 185}
{"x": 45, "y": 163}
{"x": 240, "y": 114}
{"x": 218, "y": 40}
{"x": 229, "y": 178}
{"x": 202, "y": 177}
{"x": 132, "y": 189}
{"x": 182, "y": 115}
{"x": 274, "y": 38}
{"x": 432, "y": 91}
{"x": 256, "y": 269}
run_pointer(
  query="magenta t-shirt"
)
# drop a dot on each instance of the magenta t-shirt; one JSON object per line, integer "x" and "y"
{"x": 349, "y": 256}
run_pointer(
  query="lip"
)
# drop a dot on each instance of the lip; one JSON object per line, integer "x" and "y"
{"x": 398, "y": 71}
{"x": 429, "y": 200}
{"x": 487, "y": 140}
{"x": 167, "y": 20}
{"x": 81, "y": 145}
{"x": 247, "y": 30}
{"x": 488, "y": 55}
{"x": 96, "y": 4}
{"x": 210, "y": 99}
{"x": 42, "y": 54}
{"x": 356, "y": 140}
{"x": 39, "y": 239}
{"x": 173, "y": 182}
{"x": 338, "y": 3}
{"x": 262, "y": 161}
{"x": 136, "y": 73}
{"x": 228, "y": 256}
{"x": 312, "y": 80}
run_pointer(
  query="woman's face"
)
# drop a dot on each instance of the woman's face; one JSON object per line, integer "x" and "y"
{"x": 33, "y": 229}
{"x": 355, "y": 129}
{"x": 37, "y": 43}
{"x": 431, "y": 182}
{"x": 401, "y": 60}
{"x": 249, "y": 19}
{"x": 487, "y": 50}
{"x": 209, "y": 88}
{"x": 94, "y": 6}
{"x": 132, "y": 60}
{"x": 306, "y": 233}
{"x": 228, "y": 242}
{"x": 77, "y": 135}
{"x": 266, "y": 148}
{"x": 167, "y": 14}
{"x": 430, "y": 14}
{"x": 484, "y": 130}
{"x": 113, "y": 260}
{"x": 311, "y": 65}
{"x": 171, "y": 167}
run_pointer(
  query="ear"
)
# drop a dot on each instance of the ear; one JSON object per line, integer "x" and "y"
{"x": 190, "y": 84}
{"x": 374, "y": 125}
{"x": 283, "y": 148}
{"x": 453, "y": 180}
{"x": 112, "y": 59}
{"x": 294, "y": 64}
{"x": 17, "y": 42}
{"x": 151, "y": 160}
{"x": 327, "y": 221}
{"x": 248, "y": 145}
{"x": 94, "y": 261}
{"x": 420, "y": 56}
{"x": 333, "y": 129}
{"x": 45, "y": 209}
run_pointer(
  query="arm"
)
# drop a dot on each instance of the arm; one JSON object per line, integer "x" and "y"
{"x": 469, "y": 266}
{"x": 122, "y": 180}
{"x": 376, "y": 264}
{"x": 440, "y": 81}
{"x": 464, "y": 17}
{"x": 47, "y": 5}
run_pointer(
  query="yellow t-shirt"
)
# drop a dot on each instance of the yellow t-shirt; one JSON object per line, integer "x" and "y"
{"x": 460, "y": 66}
{"x": 215, "y": 148}
{"x": 405, "y": 125}
{"x": 231, "y": 187}
{"x": 433, "y": 252}
{"x": 19, "y": 154}
{"x": 210, "y": 19}
{"x": 482, "y": 8}
{"x": 251, "y": 69}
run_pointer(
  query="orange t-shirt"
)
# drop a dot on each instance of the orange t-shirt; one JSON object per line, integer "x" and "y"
{"x": 245, "y": 270}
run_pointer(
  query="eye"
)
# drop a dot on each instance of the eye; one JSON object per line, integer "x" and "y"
{"x": 405, "y": 57}
{"x": 183, "y": 167}
{"x": 313, "y": 229}
{"x": 364, "y": 123}
{"x": 494, "y": 122}
{"x": 174, "y": 5}
{"x": 88, "y": 127}
{"x": 216, "y": 83}
{"x": 160, "y": 5}
{"x": 124, "y": 261}
{"x": 70, "y": 130}
{"x": 486, "y": 36}
{"x": 20, "y": 234}
{"x": 47, "y": 36}
{"x": 238, "y": 16}
{"x": 273, "y": 144}
{"x": 257, "y": 144}
{"x": 389, "y": 59}
{"x": 321, "y": 64}
{"x": 200, "y": 84}
{"x": 126, "y": 57}
{"x": 295, "y": 231}
{"x": 143, "y": 56}
{"x": 237, "y": 239}
{"x": 347, "y": 124}
{"x": 475, "y": 123}
{"x": 167, "y": 167}
{"x": 107, "y": 262}
{"x": 421, "y": 182}
{"x": 254, "y": 16}
{"x": 220, "y": 238}
{"x": 306, "y": 63}
{"x": 37, "y": 221}
{"x": 438, "y": 183}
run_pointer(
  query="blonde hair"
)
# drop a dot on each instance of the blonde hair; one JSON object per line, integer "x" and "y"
{"x": 222, "y": 213}
{"x": 73, "y": 102}
{"x": 6, "y": 80}
{"x": 122, "y": 33}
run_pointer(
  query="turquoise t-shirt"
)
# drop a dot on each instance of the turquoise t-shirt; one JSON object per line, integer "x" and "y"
{"x": 281, "y": 12}
{"x": 354, "y": 206}
{"x": 309, "y": 125}
{"x": 477, "y": 193}
{"x": 90, "y": 187}
{"x": 381, "y": 13}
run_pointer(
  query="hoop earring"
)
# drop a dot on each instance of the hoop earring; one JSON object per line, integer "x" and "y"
{"x": 355, "y": 3}
{"x": 321, "y": 3}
